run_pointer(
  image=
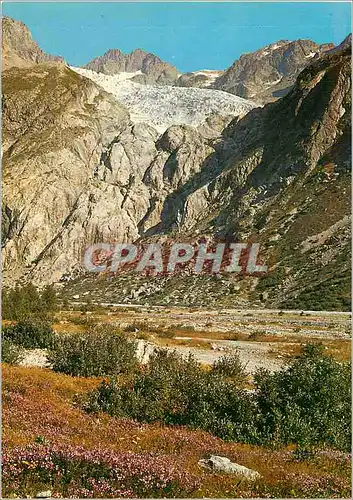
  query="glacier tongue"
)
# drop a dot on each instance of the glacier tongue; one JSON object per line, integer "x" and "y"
{"x": 163, "y": 106}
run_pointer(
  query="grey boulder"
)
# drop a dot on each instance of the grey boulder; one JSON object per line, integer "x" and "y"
{"x": 223, "y": 464}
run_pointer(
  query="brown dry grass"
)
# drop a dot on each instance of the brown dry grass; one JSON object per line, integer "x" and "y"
{"x": 38, "y": 402}
{"x": 339, "y": 349}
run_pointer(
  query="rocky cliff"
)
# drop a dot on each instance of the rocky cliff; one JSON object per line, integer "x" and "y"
{"x": 18, "y": 47}
{"x": 147, "y": 67}
{"x": 269, "y": 73}
{"x": 55, "y": 127}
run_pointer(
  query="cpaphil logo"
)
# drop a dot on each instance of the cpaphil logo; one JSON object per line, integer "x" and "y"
{"x": 174, "y": 257}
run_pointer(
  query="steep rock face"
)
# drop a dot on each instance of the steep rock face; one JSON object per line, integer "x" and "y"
{"x": 76, "y": 171}
{"x": 18, "y": 47}
{"x": 55, "y": 125}
{"x": 150, "y": 68}
{"x": 281, "y": 177}
{"x": 269, "y": 73}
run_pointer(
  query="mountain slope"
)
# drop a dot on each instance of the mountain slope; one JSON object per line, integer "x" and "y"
{"x": 77, "y": 171}
{"x": 152, "y": 70}
{"x": 269, "y": 73}
{"x": 55, "y": 127}
{"x": 281, "y": 177}
{"x": 18, "y": 47}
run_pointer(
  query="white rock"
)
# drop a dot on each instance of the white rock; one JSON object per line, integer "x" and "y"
{"x": 44, "y": 494}
{"x": 144, "y": 350}
{"x": 223, "y": 464}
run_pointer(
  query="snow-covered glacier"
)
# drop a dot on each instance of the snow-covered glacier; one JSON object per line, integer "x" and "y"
{"x": 163, "y": 106}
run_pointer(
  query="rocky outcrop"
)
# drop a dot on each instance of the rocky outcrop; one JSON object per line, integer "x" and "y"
{"x": 149, "y": 68}
{"x": 56, "y": 126}
{"x": 223, "y": 464}
{"x": 18, "y": 47}
{"x": 200, "y": 79}
{"x": 269, "y": 73}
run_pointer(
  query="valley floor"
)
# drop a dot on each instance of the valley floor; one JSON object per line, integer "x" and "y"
{"x": 40, "y": 410}
{"x": 263, "y": 338}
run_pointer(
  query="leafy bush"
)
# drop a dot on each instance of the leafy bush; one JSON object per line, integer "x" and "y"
{"x": 308, "y": 403}
{"x": 30, "y": 334}
{"x": 78, "y": 473}
{"x": 27, "y": 302}
{"x": 100, "y": 351}
{"x": 230, "y": 366}
{"x": 137, "y": 326}
{"x": 178, "y": 391}
{"x": 11, "y": 353}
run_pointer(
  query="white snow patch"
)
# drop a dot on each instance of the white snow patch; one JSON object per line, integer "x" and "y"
{"x": 163, "y": 106}
{"x": 270, "y": 48}
{"x": 273, "y": 82}
{"x": 210, "y": 74}
{"x": 277, "y": 45}
{"x": 311, "y": 55}
{"x": 119, "y": 77}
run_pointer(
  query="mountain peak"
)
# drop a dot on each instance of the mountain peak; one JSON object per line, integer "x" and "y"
{"x": 270, "y": 72}
{"x": 153, "y": 69}
{"x": 18, "y": 47}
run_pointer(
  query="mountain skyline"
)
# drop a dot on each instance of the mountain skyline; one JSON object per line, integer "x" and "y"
{"x": 190, "y": 36}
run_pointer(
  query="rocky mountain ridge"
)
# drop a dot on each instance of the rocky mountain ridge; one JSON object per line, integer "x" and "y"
{"x": 263, "y": 75}
{"x": 269, "y": 73}
{"x": 18, "y": 47}
{"x": 152, "y": 70}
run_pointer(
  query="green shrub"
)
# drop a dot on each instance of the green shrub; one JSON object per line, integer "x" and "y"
{"x": 308, "y": 403}
{"x": 230, "y": 366}
{"x": 30, "y": 334}
{"x": 11, "y": 353}
{"x": 99, "y": 351}
{"x": 25, "y": 302}
{"x": 178, "y": 391}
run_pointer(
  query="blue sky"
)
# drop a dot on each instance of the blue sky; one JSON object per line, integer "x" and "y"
{"x": 189, "y": 35}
